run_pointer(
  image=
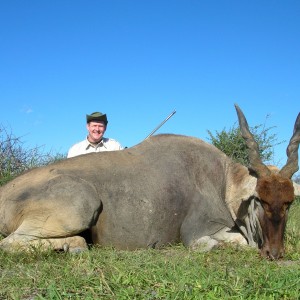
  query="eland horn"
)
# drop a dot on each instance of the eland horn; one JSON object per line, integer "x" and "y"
{"x": 291, "y": 166}
{"x": 254, "y": 157}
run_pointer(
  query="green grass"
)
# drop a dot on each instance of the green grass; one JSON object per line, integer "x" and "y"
{"x": 171, "y": 273}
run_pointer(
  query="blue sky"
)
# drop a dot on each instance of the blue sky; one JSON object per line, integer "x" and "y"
{"x": 138, "y": 60}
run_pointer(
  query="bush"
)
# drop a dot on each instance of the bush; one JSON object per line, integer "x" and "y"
{"x": 15, "y": 158}
{"x": 232, "y": 143}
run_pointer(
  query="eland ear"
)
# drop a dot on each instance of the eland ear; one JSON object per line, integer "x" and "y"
{"x": 291, "y": 166}
{"x": 254, "y": 157}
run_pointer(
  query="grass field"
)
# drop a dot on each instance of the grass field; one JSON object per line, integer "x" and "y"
{"x": 174, "y": 272}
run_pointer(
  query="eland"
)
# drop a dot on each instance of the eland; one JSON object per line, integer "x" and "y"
{"x": 167, "y": 189}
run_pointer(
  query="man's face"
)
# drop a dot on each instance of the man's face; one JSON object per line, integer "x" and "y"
{"x": 96, "y": 131}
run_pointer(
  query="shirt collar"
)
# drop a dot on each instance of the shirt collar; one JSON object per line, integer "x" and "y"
{"x": 100, "y": 144}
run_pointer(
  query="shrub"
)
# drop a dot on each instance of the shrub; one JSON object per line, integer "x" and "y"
{"x": 15, "y": 158}
{"x": 232, "y": 143}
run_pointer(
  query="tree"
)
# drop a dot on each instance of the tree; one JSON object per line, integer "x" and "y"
{"x": 232, "y": 143}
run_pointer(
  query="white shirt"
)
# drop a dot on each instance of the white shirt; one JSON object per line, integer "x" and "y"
{"x": 85, "y": 147}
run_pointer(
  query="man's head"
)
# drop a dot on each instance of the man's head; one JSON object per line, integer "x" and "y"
{"x": 96, "y": 126}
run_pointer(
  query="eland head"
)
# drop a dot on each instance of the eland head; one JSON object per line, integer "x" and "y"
{"x": 274, "y": 190}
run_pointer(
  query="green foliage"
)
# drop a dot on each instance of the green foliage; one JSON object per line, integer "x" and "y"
{"x": 233, "y": 145}
{"x": 15, "y": 158}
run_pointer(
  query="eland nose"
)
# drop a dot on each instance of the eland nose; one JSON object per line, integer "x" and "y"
{"x": 275, "y": 253}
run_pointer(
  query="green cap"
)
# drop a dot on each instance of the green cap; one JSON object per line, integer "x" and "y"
{"x": 96, "y": 117}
